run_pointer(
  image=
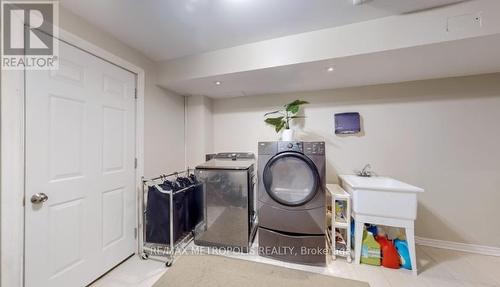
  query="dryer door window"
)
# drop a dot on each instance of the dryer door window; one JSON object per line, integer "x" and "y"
{"x": 291, "y": 179}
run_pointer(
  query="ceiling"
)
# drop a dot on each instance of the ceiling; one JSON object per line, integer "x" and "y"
{"x": 416, "y": 63}
{"x": 168, "y": 29}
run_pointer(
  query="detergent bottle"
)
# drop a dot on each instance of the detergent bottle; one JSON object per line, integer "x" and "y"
{"x": 370, "y": 251}
{"x": 402, "y": 247}
{"x": 390, "y": 256}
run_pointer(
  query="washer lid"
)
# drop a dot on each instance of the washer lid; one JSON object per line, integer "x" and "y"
{"x": 235, "y": 155}
{"x": 230, "y": 160}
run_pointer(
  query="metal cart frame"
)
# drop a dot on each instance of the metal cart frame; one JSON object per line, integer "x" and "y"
{"x": 155, "y": 251}
{"x": 337, "y": 193}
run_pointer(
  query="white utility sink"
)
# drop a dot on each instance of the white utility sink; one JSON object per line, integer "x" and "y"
{"x": 382, "y": 196}
{"x": 382, "y": 201}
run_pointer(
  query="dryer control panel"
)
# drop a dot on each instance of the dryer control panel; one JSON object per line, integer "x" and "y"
{"x": 314, "y": 148}
{"x": 290, "y": 146}
{"x": 272, "y": 148}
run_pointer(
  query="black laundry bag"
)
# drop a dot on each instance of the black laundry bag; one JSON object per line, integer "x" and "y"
{"x": 158, "y": 215}
{"x": 189, "y": 218}
{"x": 195, "y": 202}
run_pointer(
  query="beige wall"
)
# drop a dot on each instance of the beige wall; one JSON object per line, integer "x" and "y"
{"x": 163, "y": 110}
{"x": 163, "y": 133}
{"x": 442, "y": 135}
{"x": 199, "y": 130}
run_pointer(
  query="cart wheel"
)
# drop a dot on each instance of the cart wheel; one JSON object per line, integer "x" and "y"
{"x": 144, "y": 256}
{"x": 168, "y": 263}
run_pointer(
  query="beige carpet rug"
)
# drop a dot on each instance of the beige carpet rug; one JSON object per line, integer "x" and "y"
{"x": 212, "y": 271}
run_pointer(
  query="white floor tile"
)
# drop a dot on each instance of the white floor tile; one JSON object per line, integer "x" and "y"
{"x": 430, "y": 268}
{"x": 488, "y": 265}
{"x": 459, "y": 266}
{"x": 402, "y": 278}
{"x": 133, "y": 272}
{"x": 372, "y": 274}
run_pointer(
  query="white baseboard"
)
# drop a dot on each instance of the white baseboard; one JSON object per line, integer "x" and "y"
{"x": 464, "y": 247}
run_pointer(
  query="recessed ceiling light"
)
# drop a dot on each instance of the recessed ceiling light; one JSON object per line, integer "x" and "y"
{"x": 217, "y": 83}
{"x": 330, "y": 69}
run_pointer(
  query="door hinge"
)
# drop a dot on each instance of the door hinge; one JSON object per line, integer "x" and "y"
{"x": 135, "y": 233}
{"x": 135, "y": 163}
{"x": 135, "y": 93}
{"x": 24, "y": 200}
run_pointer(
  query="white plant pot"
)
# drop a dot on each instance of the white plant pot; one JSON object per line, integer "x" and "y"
{"x": 287, "y": 135}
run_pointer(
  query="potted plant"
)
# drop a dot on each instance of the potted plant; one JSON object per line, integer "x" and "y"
{"x": 287, "y": 114}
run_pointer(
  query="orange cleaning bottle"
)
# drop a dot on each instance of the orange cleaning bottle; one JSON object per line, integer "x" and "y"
{"x": 390, "y": 256}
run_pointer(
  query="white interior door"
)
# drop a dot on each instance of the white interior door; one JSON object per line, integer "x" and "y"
{"x": 80, "y": 151}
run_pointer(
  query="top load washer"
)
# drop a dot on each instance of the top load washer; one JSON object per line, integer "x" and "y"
{"x": 291, "y": 199}
{"x": 230, "y": 217}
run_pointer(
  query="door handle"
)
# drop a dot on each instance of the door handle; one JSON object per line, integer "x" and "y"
{"x": 39, "y": 198}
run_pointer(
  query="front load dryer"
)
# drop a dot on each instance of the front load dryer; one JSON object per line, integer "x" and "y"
{"x": 291, "y": 201}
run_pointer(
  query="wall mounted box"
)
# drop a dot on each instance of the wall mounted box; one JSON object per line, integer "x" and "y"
{"x": 347, "y": 123}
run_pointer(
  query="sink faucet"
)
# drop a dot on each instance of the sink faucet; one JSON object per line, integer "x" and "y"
{"x": 365, "y": 172}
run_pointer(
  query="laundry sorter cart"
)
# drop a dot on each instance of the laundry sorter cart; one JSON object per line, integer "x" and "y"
{"x": 340, "y": 222}
{"x": 169, "y": 215}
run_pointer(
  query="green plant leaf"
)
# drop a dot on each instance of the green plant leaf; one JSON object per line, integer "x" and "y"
{"x": 287, "y": 114}
{"x": 280, "y": 127}
{"x": 293, "y": 109}
{"x": 299, "y": 102}
{"x": 274, "y": 121}
{"x": 294, "y": 106}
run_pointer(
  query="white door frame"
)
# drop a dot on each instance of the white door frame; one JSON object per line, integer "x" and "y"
{"x": 12, "y": 178}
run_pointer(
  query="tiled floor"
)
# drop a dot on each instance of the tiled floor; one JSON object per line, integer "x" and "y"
{"x": 437, "y": 267}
